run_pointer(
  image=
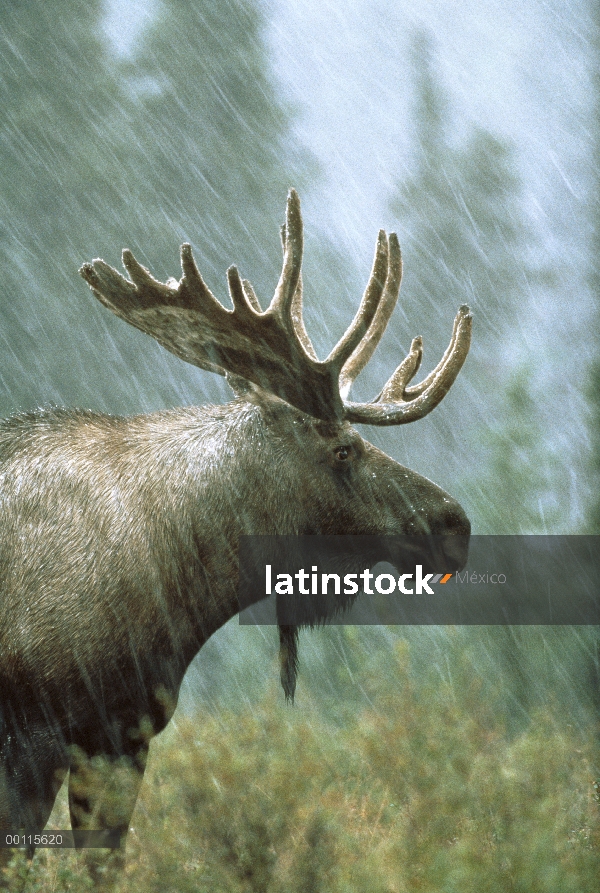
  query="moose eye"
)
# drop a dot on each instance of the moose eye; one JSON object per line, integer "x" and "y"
{"x": 342, "y": 453}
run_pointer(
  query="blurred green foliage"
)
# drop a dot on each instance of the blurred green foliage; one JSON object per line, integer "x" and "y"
{"x": 421, "y": 789}
{"x": 187, "y": 139}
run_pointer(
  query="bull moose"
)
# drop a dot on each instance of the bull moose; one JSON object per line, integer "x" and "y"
{"x": 119, "y": 536}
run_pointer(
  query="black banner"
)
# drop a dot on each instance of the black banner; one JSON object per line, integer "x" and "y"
{"x": 481, "y": 580}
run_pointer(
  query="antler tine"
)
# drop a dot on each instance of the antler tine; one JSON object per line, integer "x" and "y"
{"x": 251, "y": 295}
{"x": 242, "y": 304}
{"x": 296, "y": 309}
{"x": 359, "y": 326}
{"x": 193, "y": 291}
{"x": 406, "y": 371}
{"x": 292, "y": 261}
{"x": 417, "y": 390}
{"x": 396, "y": 405}
{"x": 159, "y": 309}
{"x": 363, "y": 353}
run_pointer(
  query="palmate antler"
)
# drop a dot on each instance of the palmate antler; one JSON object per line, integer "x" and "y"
{"x": 271, "y": 349}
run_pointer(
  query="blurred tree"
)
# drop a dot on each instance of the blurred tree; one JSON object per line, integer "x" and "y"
{"x": 463, "y": 230}
{"x": 55, "y": 169}
{"x": 517, "y": 458}
{"x": 212, "y": 140}
{"x": 57, "y": 83}
{"x": 465, "y": 238}
{"x": 185, "y": 139}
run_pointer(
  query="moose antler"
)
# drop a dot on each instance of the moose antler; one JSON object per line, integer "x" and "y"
{"x": 271, "y": 349}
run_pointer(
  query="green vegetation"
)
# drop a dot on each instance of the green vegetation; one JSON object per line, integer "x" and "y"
{"x": 422, "y": 789}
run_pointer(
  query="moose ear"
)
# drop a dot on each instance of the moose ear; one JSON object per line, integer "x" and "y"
{"x": 251, "y": 393}
{"x": 241, "y": 387}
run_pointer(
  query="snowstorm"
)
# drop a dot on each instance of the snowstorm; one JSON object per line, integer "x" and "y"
{"x": 413, "y": 757}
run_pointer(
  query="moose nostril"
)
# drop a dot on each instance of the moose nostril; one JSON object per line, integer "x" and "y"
{"x": 455, "y": 529}
{"x": 450, "y": 519}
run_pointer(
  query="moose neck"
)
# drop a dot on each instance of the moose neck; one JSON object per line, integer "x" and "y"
{"x": 204, "y": 483}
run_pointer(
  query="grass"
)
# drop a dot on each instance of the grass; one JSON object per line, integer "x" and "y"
{"x": 422, "y": 790}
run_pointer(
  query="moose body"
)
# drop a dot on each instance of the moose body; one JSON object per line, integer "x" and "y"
{"x": 119, "y": 536}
